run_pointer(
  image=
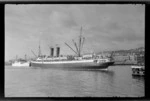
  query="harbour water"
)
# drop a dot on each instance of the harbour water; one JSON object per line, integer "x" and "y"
{"x": 46, "y": 82}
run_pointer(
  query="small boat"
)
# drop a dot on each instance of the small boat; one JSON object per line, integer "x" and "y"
{"x": 21, "y": 62}
{"x": 138, "y": 70}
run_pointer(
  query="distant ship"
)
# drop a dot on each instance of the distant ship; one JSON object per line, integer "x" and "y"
{"x": 21, "y": 63}
{"x": 79, "y": 61}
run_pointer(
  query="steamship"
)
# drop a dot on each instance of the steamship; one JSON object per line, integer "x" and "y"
{"x": 90, "y": 61}
{"x": 21, "y": 62}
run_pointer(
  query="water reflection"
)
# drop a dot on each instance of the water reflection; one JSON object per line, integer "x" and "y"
{"x": 90, "y": 82}
{"x": 138, "y": 78}
{"x": 108, "y": 72}
{"x": 52, "y": 82}
{"x": 103, "y": 81}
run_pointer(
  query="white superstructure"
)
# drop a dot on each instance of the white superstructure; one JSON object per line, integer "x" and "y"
{"x": 19, "y": 63}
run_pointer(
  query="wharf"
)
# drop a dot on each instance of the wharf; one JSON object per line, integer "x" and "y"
{"x": 124, "y": 60}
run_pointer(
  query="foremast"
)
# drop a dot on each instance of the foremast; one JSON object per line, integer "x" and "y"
{"x": 39, "y": 53}
{"x": 78, "y": 47}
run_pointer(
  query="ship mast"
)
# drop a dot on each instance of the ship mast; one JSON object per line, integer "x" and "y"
{"x": 79, "y": 46}
{"x": 25, "y": 57}
{"x": 39, "y": 54}
{"x": 81, "y": 42}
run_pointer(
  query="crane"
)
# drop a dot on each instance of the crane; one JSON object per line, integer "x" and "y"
{"x": 34, "y": 53}
{"x": 71, "y": 48}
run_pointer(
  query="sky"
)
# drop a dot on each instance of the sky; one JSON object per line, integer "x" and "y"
{"x": 105, "y": 27}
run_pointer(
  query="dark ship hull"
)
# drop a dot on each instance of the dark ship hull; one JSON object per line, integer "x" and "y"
{"x": 72, "y": 65}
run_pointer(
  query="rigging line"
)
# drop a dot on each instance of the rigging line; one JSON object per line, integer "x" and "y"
{"x": 76, "y": 46}
{"x": 71, "y": 48}
{"x": 33, "y": 53}
{"x": 80, "y": 41}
